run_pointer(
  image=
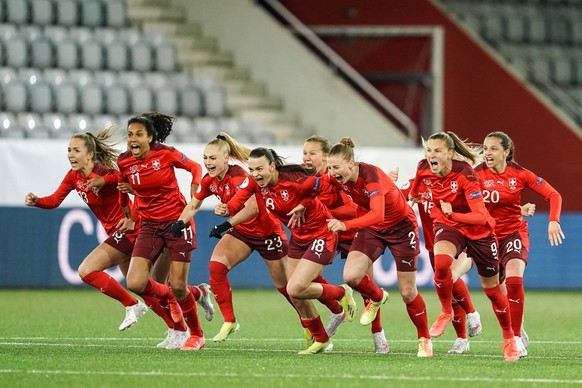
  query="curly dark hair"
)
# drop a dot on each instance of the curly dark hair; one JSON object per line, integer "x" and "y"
{"x": 158, "y": 125}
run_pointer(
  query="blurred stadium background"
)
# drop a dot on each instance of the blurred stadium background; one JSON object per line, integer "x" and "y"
{"x": 273, "y": 72}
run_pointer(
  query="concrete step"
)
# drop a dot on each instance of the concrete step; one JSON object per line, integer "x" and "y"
{"x": 192, "y": 58}
{"x": 153, "y": 13}
{"x": 171, "y": 29}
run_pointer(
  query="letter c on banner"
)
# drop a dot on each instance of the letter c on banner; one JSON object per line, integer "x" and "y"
{"x": 77, "y": 216}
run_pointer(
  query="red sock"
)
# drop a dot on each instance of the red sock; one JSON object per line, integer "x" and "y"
{"x": 156, "y": 306}
{"x": 157, "y": 290}
{"x": 221, "y": 289}
{"x": 461, "y": 295}
{"x": 460, "y": 320}
{"x": 188, "y": 306}
{"x": 315, "y": 328}
{"x": 501, "y": 309}
{"x": 516, "y": 299}
{"x": 376, "y": 326}
{"x": 195, "y": 291}
{"x": 443, "y": 281}
{"x": 368, "y": 287}
{"x": 417, "y": 313}
{"x": 331, "y": 303}
{"x": 110, "y": 287}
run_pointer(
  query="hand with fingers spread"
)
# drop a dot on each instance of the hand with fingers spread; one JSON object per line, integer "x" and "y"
{"x": 297, "y": 216}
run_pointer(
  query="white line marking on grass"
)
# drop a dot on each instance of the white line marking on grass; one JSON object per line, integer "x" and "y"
{"x": 343, "y": 377}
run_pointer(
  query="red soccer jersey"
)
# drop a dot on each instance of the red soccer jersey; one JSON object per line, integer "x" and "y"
{"x": 373, "y": 181}
{"x": 292, "y": 189}
{"x": 153, "y": 179}
{"x": 263, "y": 224}
{"x": 103, "y": 203}
{"x": 461, "y": 189}
{"x": 424, "y": 209}
{"x": 341, "y": 207}
{"x": 502, "y": 195}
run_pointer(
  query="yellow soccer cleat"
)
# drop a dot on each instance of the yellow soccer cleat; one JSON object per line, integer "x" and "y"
{"x": 372, "y": 308}
{"x": 227, "y": 329}
{"x": 424, "y": 347}
{"x": 308, "y": 337}
{"x": 318, "y": 347}
{"x": 348, "y": 303}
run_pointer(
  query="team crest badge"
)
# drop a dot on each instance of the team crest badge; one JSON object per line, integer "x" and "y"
{"x": 133, "y": 169}
{"x": 489, "y": 183}
{"x": 156, "y": 164}
{"x": 284, "y": 195}
{"x": 512, "y": 183}
{"x": 454, "y": 186}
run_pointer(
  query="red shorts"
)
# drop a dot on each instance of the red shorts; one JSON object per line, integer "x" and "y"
{"x": 273, "y": 247}
{"x": 154, "y": 236}
{"x": 514, "y": 246}
{"x": 343, "y": 247}
{"x": 402, "y": 240}
{"x": 484, "y": 252}
{"x": 120, "y": 242}
{"x": 321, "y": 250}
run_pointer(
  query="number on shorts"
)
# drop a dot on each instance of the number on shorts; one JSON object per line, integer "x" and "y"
{"x": 494, "y": 250}
{"x": 514, "y": 245}
{"x": 412, "y": 237}
{"x": 318, "y": 245}
{"x": 273, "y": 243}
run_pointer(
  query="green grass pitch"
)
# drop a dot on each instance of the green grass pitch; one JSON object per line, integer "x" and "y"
{"x": 69, "y": 338}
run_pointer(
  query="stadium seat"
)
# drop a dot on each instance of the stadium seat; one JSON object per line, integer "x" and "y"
{"x": 191, "y": 104}
{"x": 55, "y": 76}
{"x": 92, "y": 13}
{"x": 41, "y": 53}
{"x": 56, "y": 33}
{"x": 66, "y": 97}
{"x": 117, "y": 57}
{"x": 215, "y": 102}
{"x": 80, "y": 122}
{"x": 7, "y": 30}
{"x": 57, "y": 125}
{"x": 7, "y": 74}
{"x": 142, "y": 58}
{"x": 104, "y": 121}
{"x": 105, "y": 78}
{"x": 130, "y": 79}
{"x": 156, "y": 79}
{"x": 30, "y": 75}
{"x": 41, "y": 97}
{"x": 67, "y": 12}
{"x": 92, "y": 98}
{"x": 17, "y": 54}
{"x": 42, "y": 12}
{"x": 184, "y": 131}
{"x": 10, "y": 127}
{"x": 67, "y": 54}
{"x": 34, "y": 125}
{"x": 81, "y": 77}
{"x": 117, "y": 100}
{"x": 165, "y": 53}
{"x": 92, "y": 55}
{"x": 18, "y": 92}
{"x": 115, "y": 13}
{"x": 17, "y": 11}
{"x": 142, "y": 99}
{"x": 206, "y": 127}
{"x": 167, "y": 100}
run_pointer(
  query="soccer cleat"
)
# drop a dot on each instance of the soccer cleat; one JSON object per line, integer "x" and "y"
{"x": 205, "y": 302}
{"x": 524, "y": 337}
{"x": 521, "y": 350}
{"x": 348, "y": 303}
{"x": 334, "y": 321}
{"x": 510, "y": 349}
{"x": 175, "y": 309}
{"x": 372, "y": 308}
{"x": 132, "y": 315}
{"x": 174, "y": 339}
{"x": 194, "y": 343}
{"x": 474, "y": 324}
{"x": 438, "y": 327}
{"x": 460, "y": 346}
{"x": 380, "y": 343}
{"x": 318, "y": 347}
{"x": 227, "y": 329}
{"x": 424, "y": 347}
{"x": 308, "y": 337}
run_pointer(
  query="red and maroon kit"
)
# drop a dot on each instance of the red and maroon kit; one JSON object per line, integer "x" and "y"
{"x": 263, "y": 224}
{"x": 424, "y": 209}
{"x": 292, "y": 189}
{"x": 374, "y": 185}
{"x": 153, "y": 179}
{"x": 462, "y": 190}
{"x": 502, "y": 195}
{"x": 103, "y": 202}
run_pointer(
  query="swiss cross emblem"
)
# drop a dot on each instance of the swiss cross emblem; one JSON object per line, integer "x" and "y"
{"x": 156, "y": 164}
{"x": 512, "y": 183}
{"x": 454, "y": 186}
{"x": 284, "y": 195}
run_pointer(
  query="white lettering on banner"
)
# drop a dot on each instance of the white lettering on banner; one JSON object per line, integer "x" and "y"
{"x": 82, "y": 217}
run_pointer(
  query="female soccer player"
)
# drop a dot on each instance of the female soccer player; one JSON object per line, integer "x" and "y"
{"x": 262, "y": 232}
{"x": 387, "y": 222}
{"x": 315, "y": 153}
{"x": 93, "y": 156}
{"x": 503, "y": 181}
{"x": 312, "y": 246}
{"x": 460, "y": 221}
{"x": 148, "y": 166}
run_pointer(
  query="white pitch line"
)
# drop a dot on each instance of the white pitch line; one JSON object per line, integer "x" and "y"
{"x": 343, "y": 377}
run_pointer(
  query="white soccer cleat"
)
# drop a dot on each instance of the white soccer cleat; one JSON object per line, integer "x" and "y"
{"x": 474, "y": 324}
{"x": 380, "y": 343}
{"x": 521, "y": 349}
{"x": 132, "y": 315}
{"x": 460, "y": 346}
{"x": 334, "y": 321}
{"x": 524, "y": 337}
{"x": 174, "y": 339}
{"x": 205, "y": 302}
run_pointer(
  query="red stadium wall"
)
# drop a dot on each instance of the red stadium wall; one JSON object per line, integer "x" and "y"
{"x": 480, "y": 95}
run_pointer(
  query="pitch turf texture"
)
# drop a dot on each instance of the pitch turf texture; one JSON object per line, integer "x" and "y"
{"x": 69, "y": 338}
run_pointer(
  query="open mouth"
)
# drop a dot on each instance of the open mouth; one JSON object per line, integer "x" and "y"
{"x": 211, "y": 169}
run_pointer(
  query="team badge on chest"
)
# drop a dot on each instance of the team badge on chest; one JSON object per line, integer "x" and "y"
{"x": 284, "y": 195}
{"x": 454, "y": 186}
{"x": 156, "y": 164}
{"x": 512, "y": 183}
